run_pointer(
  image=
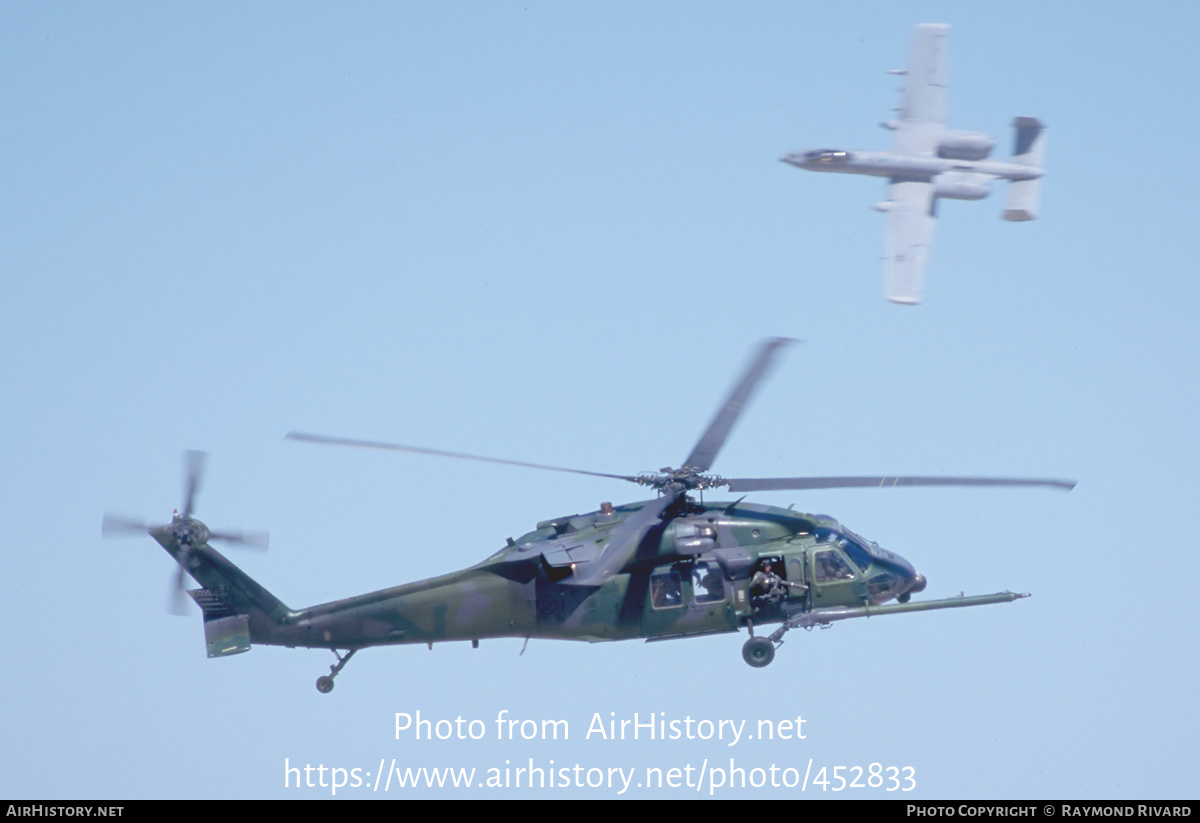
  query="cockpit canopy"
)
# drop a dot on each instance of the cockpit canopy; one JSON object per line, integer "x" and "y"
{"x": 827, "y": 156}
{"x": 862, "y": 551}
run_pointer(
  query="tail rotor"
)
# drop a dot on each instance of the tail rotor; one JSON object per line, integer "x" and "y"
{"x": 185, "y": 538}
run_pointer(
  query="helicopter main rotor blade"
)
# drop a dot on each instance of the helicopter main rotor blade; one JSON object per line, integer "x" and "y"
{"x": 194, "y": 473}
{"x": 746, "y": 484}
{"x": 623, "y": 545}
{"x": 705, "y": 451}
{"x": 371, "y": 444}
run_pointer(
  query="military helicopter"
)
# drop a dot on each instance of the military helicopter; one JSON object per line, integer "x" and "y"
{"x": 670, "y": 567}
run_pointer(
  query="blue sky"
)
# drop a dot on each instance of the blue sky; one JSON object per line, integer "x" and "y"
{"x": 553, "y": 233}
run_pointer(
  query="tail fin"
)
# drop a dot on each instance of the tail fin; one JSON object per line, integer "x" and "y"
{"x": 1029, "y": 147}
{"x": 231, "y": 601}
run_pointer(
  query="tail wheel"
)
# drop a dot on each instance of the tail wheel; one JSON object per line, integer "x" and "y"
{"x": 758, "y": 651}
{"x": 325, "y": 684}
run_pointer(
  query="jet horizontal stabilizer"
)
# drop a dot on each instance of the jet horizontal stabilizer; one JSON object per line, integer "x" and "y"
{"x": 1029, "y": 148}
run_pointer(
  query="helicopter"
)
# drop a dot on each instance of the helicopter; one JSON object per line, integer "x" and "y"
{"x": 675, "y": 566}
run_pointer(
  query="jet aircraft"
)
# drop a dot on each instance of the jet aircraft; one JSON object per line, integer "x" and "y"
{"x": 929, "y": 162}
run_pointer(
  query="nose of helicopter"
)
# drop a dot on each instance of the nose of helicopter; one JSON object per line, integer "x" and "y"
{"x": 910, "y": 580}
{"x": 912, "y": 583}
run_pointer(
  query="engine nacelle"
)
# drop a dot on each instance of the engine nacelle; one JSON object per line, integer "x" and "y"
{"x": 961, "y": 185}
{"x": 694, "y": 538}
{"x": 966, "y": 145}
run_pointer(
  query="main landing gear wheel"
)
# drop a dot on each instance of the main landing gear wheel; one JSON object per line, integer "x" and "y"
{"x": 325, "y": 682}
{"x": 758, "y": 651}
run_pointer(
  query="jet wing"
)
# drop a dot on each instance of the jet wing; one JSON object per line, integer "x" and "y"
{"x": 923, "y": 103}
{"x": 910, "y": 222}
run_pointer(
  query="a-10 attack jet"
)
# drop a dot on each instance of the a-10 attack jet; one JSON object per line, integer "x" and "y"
{"x": 929, "y": 161}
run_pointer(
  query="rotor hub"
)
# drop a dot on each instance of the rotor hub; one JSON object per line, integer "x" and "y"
{"x": 189, "y": 532}
{"x": 685, "y": 478}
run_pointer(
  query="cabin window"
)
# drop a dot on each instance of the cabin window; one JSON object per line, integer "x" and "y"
{"x": 666, "y": 590}
{"x": 708, "y": 583}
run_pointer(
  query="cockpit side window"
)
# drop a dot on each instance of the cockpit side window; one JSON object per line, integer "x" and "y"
{"x": 856, "y": 553}
{"x": 830, "y": 566}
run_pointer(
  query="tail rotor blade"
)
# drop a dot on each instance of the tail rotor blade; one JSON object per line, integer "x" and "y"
{"x": 251, "y": 538}
{"x": 178, "y": 602}
{"x": 117, "y": 526}
{"x": 194, "y": 472}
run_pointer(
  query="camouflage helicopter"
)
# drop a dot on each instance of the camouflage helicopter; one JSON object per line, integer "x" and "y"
{"x": 670, "y": 567}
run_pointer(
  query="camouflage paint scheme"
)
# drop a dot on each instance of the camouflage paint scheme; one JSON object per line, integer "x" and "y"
{"x": 521, "y": 590}
{"x": 669, "y": 567}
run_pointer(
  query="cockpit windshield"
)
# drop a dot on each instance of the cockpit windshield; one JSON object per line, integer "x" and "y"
{"x": 860, "y": 550}
{"x": 852, "y": 548}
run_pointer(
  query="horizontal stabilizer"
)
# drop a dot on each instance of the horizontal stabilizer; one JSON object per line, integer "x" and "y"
{"x": 1029, "y": 149}
{"x": 1023, "y": 198}
{"x": 227, "y": 635}
{"x": 1029, "y": 141}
